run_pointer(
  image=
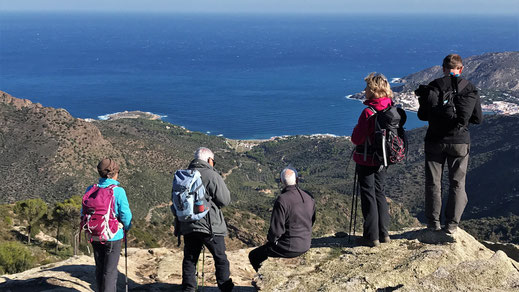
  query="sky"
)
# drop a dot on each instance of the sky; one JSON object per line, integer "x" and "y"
{"x": 269, "y": 6}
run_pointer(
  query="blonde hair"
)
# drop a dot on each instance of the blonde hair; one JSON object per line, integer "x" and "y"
{"x": 379, "y": 85}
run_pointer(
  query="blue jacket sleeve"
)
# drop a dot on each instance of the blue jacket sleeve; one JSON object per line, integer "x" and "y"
{"x": 124, "y": 214}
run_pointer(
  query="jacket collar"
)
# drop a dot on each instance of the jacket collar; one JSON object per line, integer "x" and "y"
{"x": 293, "y": 188}
{"x": 289, "y": 188}
{"x": 197, "y": 163}
{"x": 104, "y": 182}
{"x": 379, "y": 103}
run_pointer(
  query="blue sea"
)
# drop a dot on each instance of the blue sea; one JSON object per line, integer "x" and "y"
{"x": 240, "y": 76}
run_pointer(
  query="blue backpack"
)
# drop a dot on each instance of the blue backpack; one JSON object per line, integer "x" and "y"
{"x": 188, "y": 196}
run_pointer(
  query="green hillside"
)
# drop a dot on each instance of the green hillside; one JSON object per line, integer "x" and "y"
{"x": 46, "y": 153}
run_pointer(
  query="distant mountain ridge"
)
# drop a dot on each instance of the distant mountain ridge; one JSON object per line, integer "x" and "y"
{"x": 496, "y": 75}
{"x": 497, "y": 71}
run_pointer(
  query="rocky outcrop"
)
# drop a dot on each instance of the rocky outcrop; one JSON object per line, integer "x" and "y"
{"x": 16, "y": 102}
{"x": 157, "y": 269}
{"x": 415, "y": 260}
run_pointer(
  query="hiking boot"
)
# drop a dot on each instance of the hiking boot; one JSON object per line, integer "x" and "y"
{"x": 450, "y": 229}
{"x": 227, "y": 286}
{"x": 257, "y": 278}
{"x": 366, "y": 242}
{"x": 385, "y": 239}
{"x": 434, "y": 227}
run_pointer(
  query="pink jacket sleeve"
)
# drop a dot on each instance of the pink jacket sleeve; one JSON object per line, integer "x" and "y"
{"x": 363, "y": 129}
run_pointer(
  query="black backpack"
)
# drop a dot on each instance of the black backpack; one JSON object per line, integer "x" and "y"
{"x": 390, "y": 141}
{"x": 448, "y": 94}
{"x": 439, "y": 99}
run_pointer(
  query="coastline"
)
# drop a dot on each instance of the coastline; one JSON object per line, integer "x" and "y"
{"x": 409, "y": 102}
{"x": 153, "y": 116}
{"x": 131, "y": 115}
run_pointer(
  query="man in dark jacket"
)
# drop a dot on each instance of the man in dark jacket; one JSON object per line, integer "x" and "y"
{"x": 208, "y": 231}
{"x": 447, "y": 140}
{"x": 293, "y": 216}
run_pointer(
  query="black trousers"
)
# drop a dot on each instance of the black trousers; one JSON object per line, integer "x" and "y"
{"x": 193, "y": 243}
{"x": 373, "y": 201}
{"x": 106, "y": 256}
{"x": 260, "y": 254}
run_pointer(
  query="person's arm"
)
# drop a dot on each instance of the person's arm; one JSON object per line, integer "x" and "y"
{"x": 361, "y": 130}
{"x": 477, "y": 113}
{"x": 466, "y": 105}
{"x": 277, "y": 222}
{"x": 313, "y": 216}
{"x": 220, "y": 192}
{"x": 427, "y": 97}
{"x": 125, "y": 214}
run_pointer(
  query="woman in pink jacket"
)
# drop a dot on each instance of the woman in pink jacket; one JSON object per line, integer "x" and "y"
{"x": 370, "y": 172}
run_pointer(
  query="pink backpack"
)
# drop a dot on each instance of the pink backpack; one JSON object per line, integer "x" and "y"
{"x": 98, "y": 214}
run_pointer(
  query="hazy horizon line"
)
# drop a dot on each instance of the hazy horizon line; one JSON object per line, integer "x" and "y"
{"x": 288, "y": 13}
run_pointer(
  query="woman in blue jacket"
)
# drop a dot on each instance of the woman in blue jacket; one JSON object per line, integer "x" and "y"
{"x": 106, "y": 254}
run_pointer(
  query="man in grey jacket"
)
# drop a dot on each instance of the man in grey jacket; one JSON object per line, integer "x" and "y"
{"x": 210, "y": 230}
{"x": 293, "y": 216}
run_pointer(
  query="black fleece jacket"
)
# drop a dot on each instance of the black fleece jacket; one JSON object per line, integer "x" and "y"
{"x": 468, "y": 110}
{"x": 292, "y": 219}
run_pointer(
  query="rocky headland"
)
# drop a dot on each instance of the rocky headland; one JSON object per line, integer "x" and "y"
{"x": 496, "y": 75}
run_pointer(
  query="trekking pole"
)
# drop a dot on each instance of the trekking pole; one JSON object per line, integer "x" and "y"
{"x": 351, "y": 211}
{"x": 357, "y": 192}
{"x": 353, "y": 193}
{"x": 126, "y": 258}
{"x": 197, "y": 278}
{"x": 203, "y": 267}
{"x": 353, "y": 206}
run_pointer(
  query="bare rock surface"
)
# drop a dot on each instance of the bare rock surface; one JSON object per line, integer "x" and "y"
{"x": 407, "y": 263}
{"x": 157, "y": 269}
{"x": 415, "y": 260}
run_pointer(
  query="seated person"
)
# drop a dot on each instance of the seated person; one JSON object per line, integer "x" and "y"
{"x": 293, "y": 216}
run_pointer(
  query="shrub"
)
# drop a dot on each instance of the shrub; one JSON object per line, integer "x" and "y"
{"x": 15, "y": 257}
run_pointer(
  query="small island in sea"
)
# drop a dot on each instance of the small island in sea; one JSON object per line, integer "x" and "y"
{"x": 131, "y": 115}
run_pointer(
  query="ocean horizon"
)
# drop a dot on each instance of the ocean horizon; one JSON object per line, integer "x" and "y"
{"x": 241, "y": 76}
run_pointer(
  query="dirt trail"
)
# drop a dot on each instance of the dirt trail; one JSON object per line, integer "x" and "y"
{"x": 224, "y": 175}
{"x": 150, "y": 212}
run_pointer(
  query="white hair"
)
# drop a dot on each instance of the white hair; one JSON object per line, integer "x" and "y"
{"x": 204, "y": 154}
{"x": 288, "y": 176}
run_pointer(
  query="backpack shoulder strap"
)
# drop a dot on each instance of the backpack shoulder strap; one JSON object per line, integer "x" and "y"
{"x": 463, "y": 83}
{"x": 373, "y": 111}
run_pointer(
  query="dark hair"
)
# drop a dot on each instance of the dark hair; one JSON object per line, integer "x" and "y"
{"x": 107, "y": 168}
{"x": 452, "y": 61}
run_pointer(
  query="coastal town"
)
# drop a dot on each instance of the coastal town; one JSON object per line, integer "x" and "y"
{"x": 509, "y": 105}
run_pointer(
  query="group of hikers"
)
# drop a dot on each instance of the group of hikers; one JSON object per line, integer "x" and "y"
{"x": 199, "y": 193}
